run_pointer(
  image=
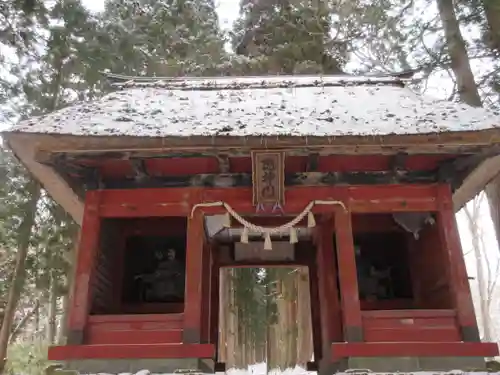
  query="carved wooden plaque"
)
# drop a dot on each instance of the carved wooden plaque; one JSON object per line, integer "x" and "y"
{"x": 268, "y": 177}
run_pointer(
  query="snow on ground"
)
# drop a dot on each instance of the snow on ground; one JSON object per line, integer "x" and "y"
{"x": 303, "y": 372}
{"x": 260, "y": 369}
{"x": 256, "y": 106}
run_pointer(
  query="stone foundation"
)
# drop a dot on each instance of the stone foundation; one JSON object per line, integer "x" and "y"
{"x": 411, "y": 364}
{"x": 116, "y": 366}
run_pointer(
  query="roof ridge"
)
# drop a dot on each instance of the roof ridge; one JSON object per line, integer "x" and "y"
{"x": 247, "y": 82}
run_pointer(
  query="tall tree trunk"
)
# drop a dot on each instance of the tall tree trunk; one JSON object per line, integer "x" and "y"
{"x": 63, "y": 329}
{"x": 52, "y": 311}
{"x": 37, "y": 324}
{"x": 492, "y": 191}
{"x": 16, "y": 331}
{"x": 492, "y": 12}
{"x": 70, "y": 281}
{"x": 467, "y": 88}
{"x": 472, "y": 221}
{"x": 18, "y": 276}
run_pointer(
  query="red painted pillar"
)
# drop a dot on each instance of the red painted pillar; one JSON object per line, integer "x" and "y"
{"x": 119, "y": 270}
{"x": 85, "y": 261}
{"x": 348, "y": 279}
{"x": 194, "y": 277}
{"x": 328, "y": 289}
{"x": 206, "y": 287}
{"x": 214, "y": 297}
{"x": 457, "y": 272}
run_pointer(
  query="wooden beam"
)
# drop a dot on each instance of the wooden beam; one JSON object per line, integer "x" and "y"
{"x": 45, "y": 157}
{"x": 76, "y": 187}
{"x": 328, "y": 290}
{"x": 57, "y": 187}
{"x": 79, "y": 178}
{"x": 414, "y": 349}
{"x": 469, "y": 174}
{"x": 387, "y": 144}
{"x": 467, "y": 161}
{"x": 348, "y": 279}
{"x": 409, "y": 314}
{"x": 262, "y": 264}
{"x": 71, "y": 168}
{"x": 214, "y": 296}
{"x": 457, "y": 272}
{"x": 96, "y": 336}
{"x": 206, "y": 291}
{"x": 178, "y": 201}
{"x": 475, "y": 181}
{"x": 291, "y": 179}
{"x": 195, "y": 256}
{"x": 87, "y": 255}
{"x": 131, "y": 351}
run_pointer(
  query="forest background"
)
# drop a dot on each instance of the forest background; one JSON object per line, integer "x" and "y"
{"x": 51, "y": 53}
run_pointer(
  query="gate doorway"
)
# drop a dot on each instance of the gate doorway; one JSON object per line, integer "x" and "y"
{"x": 249, "y": 281}
{"x": 265, "y": 318}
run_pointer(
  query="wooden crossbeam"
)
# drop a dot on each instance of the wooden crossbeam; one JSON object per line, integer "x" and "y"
{"x": 83, "y": 178}
{"x": 291, "y": 179}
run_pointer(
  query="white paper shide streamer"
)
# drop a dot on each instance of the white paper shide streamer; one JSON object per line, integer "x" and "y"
{"x": 267, "y": 232}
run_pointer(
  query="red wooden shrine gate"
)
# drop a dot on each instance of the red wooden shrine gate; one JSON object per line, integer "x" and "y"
{"x": 344, "y": 328}
{"x": 143, "y": 157}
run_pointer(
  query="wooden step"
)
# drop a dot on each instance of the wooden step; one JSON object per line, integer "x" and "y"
{"x": 131, "y": 351}
{"x": 413, "y": 349}
{"x": 104, "y": 337}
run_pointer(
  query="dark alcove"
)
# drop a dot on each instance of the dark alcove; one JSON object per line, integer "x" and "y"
{"x": 154, "y": 269}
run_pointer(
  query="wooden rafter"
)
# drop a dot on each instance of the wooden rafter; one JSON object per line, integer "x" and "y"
{"x": 77, "y": 174}
{"x": 90, "y": 178}
{"x": 291, "y": 179}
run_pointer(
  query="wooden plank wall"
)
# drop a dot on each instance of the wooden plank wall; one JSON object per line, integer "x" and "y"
{"x": 428, "y": 270}
{"x": 107, "y": 283}
{"x": 135, "y": 329}
{"x": 410, "y": 325}
{"x": 104, "y": 284}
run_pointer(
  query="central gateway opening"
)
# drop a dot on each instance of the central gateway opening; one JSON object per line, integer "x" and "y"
{"x": 265, "y": 318}
{"x": 264, "y": 307}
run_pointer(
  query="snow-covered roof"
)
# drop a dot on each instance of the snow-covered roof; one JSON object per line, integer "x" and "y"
{"x": 254, "y": 106}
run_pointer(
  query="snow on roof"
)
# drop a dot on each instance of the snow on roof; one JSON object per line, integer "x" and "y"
{"x": 304, "y": 372}
{"x": 256, "y": 106}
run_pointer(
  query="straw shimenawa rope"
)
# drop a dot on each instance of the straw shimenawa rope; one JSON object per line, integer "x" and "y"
{"x": 267, "y": 232}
